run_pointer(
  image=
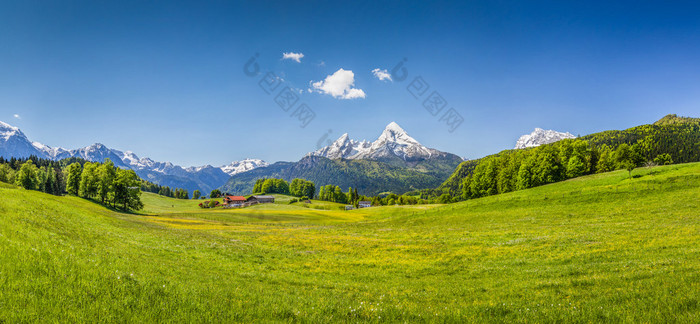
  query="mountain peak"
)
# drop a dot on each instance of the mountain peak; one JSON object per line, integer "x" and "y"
{"x": 6, "y": 126}
{"x": 7, "y": 130}
{"x": 393, "y": 142}
{"x": 674, "y": 119}
{"x": 343, "y": 138}
{"x": 245, "y": 165}
{"x": 393, "y": 126}
{"x": 540, "y": 137}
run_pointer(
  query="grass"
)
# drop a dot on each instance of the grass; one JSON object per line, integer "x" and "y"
{"x": 601, "y": 248}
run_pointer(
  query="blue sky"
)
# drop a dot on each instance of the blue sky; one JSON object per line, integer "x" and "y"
{"x": 166, "y": 79}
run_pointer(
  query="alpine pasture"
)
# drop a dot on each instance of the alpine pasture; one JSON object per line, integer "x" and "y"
{"x": 600, "y": 248}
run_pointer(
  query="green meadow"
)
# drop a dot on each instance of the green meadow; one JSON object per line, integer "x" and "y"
{"x": 600, "y": 248}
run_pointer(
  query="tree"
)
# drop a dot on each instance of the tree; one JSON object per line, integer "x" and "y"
{"x": 257, "y": 188}
{"x": 267, "y": 186}
{"x": 6, "y": 173}
{"x": 575, "y": 167}
{"x": 301, "y": 187}
{"x": 127, "y": 192}
{"x": 216, "y": 193}
{"x": 663, "y": 159}
{"x": 105, "y": 178}
{"x": 196, "y": 194}
{"x": 49, "y": 180}
{"x": 548, "y": 169}
{"x": 626, "y": 158}
{"x": 88, "y": 181}
{"x": 445, "y": 199}
{"x": 73, "y": 173}
{"x": 27, "y": 176}
{"x": 526, "y": 174}
{"x": 606, "y": 160}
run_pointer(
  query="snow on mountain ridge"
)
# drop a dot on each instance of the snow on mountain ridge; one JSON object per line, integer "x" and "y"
{"x": 7, "y": 131}
{"x": 13, "y": 140}
{"x": 540, "y": 137}
{"x": 245, "y": 165}
{"x": 393, "y": 141}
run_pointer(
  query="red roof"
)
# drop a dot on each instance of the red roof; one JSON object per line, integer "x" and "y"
{"x": 235, "y": 197}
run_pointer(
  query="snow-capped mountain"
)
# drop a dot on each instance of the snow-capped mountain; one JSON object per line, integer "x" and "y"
{"x": 541, "y": 136}
{"x": 393, "y": 142}
{"x": 13, "y": 143}
{"x": 237, "y": 167}
{"x": 395, "y": 162}
{"x": 343, "y": 148}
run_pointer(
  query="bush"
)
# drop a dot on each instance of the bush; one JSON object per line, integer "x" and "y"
{"x": 293, "y": 201}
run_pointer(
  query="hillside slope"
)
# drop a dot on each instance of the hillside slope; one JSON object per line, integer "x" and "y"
{"x": 600, "y": 248}
{"x": 677, "y": 136}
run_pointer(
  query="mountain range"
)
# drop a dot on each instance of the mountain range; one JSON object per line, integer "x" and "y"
{"x": 14, "y": 143}
{"x": 393, "y": 143}
{"x": 394, "y": 162}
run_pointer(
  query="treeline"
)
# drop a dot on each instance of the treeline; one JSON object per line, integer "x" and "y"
{"x": 34, "y": 173}
{"x": 335, "y": 194}
{"x": 298, "y": 187}
{"x": 177, "y": 193}
{"x": 100, "y": 181}
{"x": 106, "y": 183}
{"x": 306, "y": 189}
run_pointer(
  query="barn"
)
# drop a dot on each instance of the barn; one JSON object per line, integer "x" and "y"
{"x": 261, "y": 199}
{"x": 234, "y": 200}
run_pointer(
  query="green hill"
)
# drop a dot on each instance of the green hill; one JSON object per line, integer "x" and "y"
{"x": 677, "y": 136}
{"x": 599, "y": 248}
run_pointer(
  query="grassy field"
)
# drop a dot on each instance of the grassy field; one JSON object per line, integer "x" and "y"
{"x": 601, "y": 248}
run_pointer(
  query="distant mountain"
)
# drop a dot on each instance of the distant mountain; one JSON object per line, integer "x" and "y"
{"x": 237, "y": 167}
{"x": 395, "y": 162}
{"x": 541, "y": 136}
{"x": 13, "y": 143}
{"x": 369, "y": 177}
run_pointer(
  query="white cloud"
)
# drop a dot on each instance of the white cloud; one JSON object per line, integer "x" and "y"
{"x": 339, "y": 85}
{"x": 382, "y": 75}
{"x": 17, "y": 116}
{"x": 292, "y": 56}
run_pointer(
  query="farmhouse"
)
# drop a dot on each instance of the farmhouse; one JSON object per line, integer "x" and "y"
{"x": 234, "y": 200}
{"x": 260, "y": 199}
{"x": 364, "y": 204}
